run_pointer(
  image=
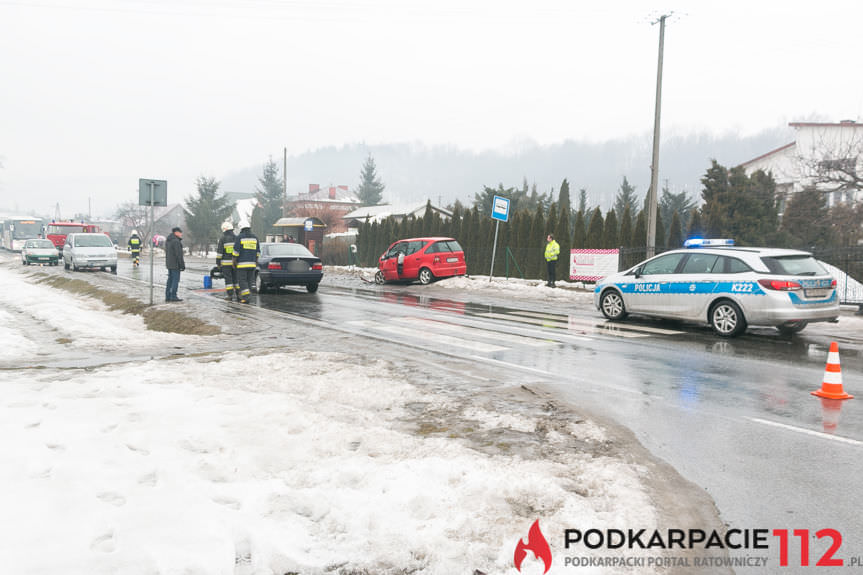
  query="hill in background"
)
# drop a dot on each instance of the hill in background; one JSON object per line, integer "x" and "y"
{"x": 415, "y": 172}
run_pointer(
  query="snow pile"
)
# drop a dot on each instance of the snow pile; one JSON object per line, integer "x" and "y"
{"x": 270, "y": 463}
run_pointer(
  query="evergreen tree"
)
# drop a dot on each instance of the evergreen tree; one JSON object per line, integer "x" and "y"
{"x": 609, "y": 233}
{"x": 428, "y": 220}
{"x": 562, "y": 230}
{"x": 675, "y": 232}
{"x": 626, "y": 196}
{"x": 696, "y": 228}
{"x": 536, "y": 262}
{"x": 595, "y": 230}
{"x": 270, "y": 195}
{"x": 625, "y": 236}
{"x": 582, "y": 202}
{"x": 579, "y": 232}
{"x": 205, "y": 213}
{"x": 659, "y": 239}
{"x": 680, "y": 203}
{"x": 370, "y": 189}
{"x": 739, "y": 206}
{"x": 806, "y": 220}
{"x": 639, "y": 233}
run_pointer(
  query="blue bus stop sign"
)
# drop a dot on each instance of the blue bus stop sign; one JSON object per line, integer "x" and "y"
{"x": 500, "y": 209}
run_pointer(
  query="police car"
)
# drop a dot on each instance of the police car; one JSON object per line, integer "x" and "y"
{"x": 727, "y": 287}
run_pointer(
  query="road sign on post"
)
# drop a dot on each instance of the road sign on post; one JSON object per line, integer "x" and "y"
{"x": 500, "y": 209}
{"x": 152, "y": 193}
{"x": 499, "y": 212}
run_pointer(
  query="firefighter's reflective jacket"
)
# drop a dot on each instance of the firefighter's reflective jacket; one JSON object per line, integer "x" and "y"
{"x": 225, "y": 249}
{"x": 134, "y": 244}
{"x": 246, "y": 250}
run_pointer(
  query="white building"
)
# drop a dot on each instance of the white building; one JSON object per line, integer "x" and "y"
{"x": 826, "y": 156}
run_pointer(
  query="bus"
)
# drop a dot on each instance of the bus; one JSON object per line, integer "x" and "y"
{"x": 18, "y": 229}
{"x": 57, "y": 231}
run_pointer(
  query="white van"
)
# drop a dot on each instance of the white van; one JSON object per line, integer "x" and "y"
{"x": 89, "y": 251}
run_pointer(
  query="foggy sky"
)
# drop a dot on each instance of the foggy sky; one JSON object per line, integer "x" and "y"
{"x": 99, "y": 93}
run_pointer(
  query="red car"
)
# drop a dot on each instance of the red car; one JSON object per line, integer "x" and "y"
{"x": 423, "y": 259}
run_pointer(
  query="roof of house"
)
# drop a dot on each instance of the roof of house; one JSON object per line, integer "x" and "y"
{"x": 380, "y": 212}
{"x": 770, "y": 153}
{"x": 341, "y": 195}
{"x": 298, "y": 222}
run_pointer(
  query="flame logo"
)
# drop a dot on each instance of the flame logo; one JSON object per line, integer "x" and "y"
{"x": 535, "y": 542}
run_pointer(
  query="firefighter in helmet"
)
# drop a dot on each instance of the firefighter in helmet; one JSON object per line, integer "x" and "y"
{"x": 247, "y": 250}
{"x": 225, "y": 261}
{"x": 135, "y": 247}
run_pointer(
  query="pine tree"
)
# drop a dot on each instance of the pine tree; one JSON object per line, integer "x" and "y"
{"x": 562, "y": 231}
{"x": 370, "y": 189}
{"x": 579, "y": 232}
{"x": 536, "y": 262}
{"x": 205, "y": 213}
{"x": 696, "y": 228}
{"x": 626, "y": 197}
{"x": 675, "y": 232}
{"x": 806, "y": 220}
{"x": 625, "y": 236}
{"x": 595, "y": 230}
{"x": 270, "y": 195}
{"x": 609, "y": 232}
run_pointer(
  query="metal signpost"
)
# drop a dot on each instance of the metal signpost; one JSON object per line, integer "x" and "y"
{"x": 499, "y": 212}
{"x": 152, "y": 193}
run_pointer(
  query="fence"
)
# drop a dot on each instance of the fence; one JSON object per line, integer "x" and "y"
{"x": 846, "y": 265}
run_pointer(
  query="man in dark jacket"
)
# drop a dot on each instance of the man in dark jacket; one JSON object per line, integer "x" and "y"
{"x": 174, "y": 262}
{"x": 246, "y": 254}
{"x": 225, "y": 260}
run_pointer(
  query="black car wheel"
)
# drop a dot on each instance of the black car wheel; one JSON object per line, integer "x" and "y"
{"x": 727, "y": 319}
{"x": 792, "y": 327}
{"x": 379, "y": 278}
{"x": 260, "y": 285}
{"x": 612, "y": 306}
{"x": 426, "y": 276}
{"x": 312, "y": 288}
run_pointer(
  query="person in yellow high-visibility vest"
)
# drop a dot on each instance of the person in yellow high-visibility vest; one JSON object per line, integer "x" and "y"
{"x": 247, "y": 250}
{"x": 552, "y": 252}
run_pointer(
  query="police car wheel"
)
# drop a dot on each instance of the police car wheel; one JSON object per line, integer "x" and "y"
{"x": 727, "y": 319}
{"x": 379, "y": 277}
{"x": 612, "y": 305}
{"x": 426, "y": 276}
{"x": 791, "y": 328}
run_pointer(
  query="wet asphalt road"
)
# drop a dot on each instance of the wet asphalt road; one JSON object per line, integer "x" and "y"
{"x": 733, "y": 416}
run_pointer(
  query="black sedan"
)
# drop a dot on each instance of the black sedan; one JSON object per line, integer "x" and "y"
{"x": 283, "y": 264}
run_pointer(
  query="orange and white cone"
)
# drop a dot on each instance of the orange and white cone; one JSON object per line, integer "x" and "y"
{"x": 831, "y": 387}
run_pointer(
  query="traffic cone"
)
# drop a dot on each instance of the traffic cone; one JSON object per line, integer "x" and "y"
{"x": 830, "y": 410}
{"x": 831, "y": 387}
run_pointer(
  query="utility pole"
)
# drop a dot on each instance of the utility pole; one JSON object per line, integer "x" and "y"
{"x": 285, "y": 181}
{"x": 654, "y": 164}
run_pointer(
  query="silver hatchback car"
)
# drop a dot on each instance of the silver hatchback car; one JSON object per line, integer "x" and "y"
{"x": 725, "y": 287}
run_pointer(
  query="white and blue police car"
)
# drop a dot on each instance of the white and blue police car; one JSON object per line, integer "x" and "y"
{"x": 726, "y": 286}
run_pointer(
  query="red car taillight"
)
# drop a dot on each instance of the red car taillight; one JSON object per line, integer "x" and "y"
{"x": 780, "y": 285}
{"x": 317, "y": 266}
{"x": 274, "y": 266}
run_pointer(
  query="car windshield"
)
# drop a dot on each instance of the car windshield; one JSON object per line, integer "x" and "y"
{"x": 280, "y": 250}
{"x": 32, "y": 244}
{"x": 796, "y": 265}
{"x": 94, "y": 241}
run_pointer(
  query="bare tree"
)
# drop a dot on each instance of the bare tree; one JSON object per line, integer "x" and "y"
{"x": 833, "y": 160}
{"x": 133, "y": 217}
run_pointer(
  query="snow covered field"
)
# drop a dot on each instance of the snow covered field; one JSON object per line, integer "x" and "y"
{"x": 267, "y": 462}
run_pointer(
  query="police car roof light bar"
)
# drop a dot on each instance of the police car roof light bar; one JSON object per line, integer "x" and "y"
{"x": 706, "y": 243}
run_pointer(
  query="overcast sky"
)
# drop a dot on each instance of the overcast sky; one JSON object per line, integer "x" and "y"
{"x": 98, "y": 93}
